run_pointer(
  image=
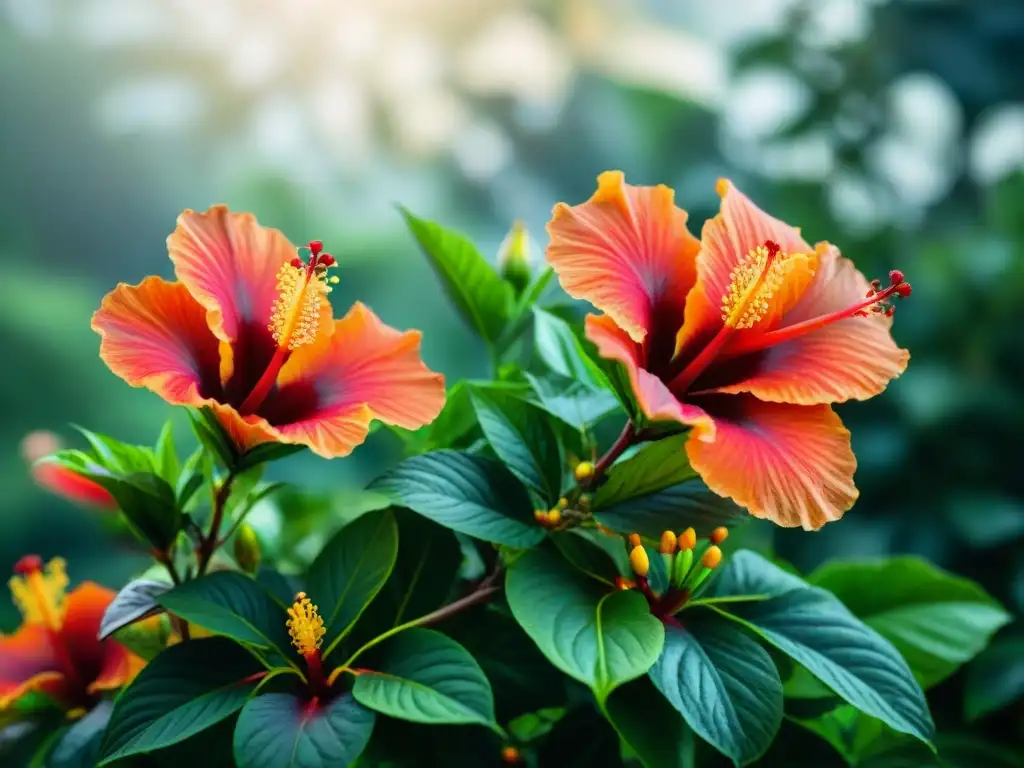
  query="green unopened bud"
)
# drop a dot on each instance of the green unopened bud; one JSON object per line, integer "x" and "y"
{"x": 681, "y": 566}
{"x": 515, "y": 258}
{"x": 247, "y": 549}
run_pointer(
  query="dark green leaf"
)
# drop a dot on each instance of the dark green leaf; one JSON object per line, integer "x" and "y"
{"x": 166, "y": 456}
{"x": 469, "y": 494}
{"x": 598, "y": 636}
{"x": 279, "y": 730}
{"x": 425, "y": 677}
{"x": 212, "y": 435}
{"x": 135, "y": 601}
{"x": 193, "y": 474}
{"x": 655, "y": 467}
{"x": 937, "y": 621}
{"x": 748, "y": 574}
{"x": 816, "y": 630}
{"x": 231, "y": 604}
{"x": 583, "y": 739}
{"x": 594, "y": 553}
{"x": 522, "y": 437}
{"x": 147, "y": 502}
{"x": 575, "y": 403}
{"x": 995, "y": 678}
{"x": 265, "y": 452}
{"x": 476, "y": 289}
{"x": 79, "y": 745}
{"x": 186, "y": 689}
{"x": 650, "y": 727}
{"x": 350, "y": 571}
{"x": 723, "y": 683}
{"x": 961, "y": 751}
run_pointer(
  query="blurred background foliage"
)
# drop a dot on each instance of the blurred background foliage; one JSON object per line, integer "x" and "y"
{"x": 894, "y": 129}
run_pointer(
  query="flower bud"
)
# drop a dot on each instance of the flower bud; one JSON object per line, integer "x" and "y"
{"x": 554, "y": 516}
{"x": 639, "y": 561}
{"x": 622, "y": 583}
{"x": 687, "y": 539}
{"x": 510, "y": 755}
{"x": 668, "y": 543}
{"x": 562, "y": 503}
{"x": 634, "y": 540}
{"x": 584, "y": 471}
{"x": 514, "y": 257}
{"x": 681, "y": 567}
{"x": 247, "y": 549}
{"x": 712, "y": 557}
{"x": 720, "y": 534}
{"x": 540, "y": 515}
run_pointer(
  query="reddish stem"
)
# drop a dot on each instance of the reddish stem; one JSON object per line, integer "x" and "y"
{"x": 209, "y": 542}
{"x": 624, "y": 440}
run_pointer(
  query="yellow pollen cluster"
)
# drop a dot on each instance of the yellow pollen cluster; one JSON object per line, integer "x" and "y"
{"x": 305, "y": 625}
{"x": 40, "y": 594}
{"x": 295, "y": 314}
{"x": 752, "y": 283}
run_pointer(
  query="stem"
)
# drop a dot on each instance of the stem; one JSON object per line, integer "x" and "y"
{"x": 209, "y": 542}
{"x": 481, "y": 594}
{"x": 624, "y": 440}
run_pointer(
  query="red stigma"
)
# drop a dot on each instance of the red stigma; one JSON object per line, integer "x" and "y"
{"x": 327, "y": 260}
{"x": 895, "y": 277}
{"x": 315, "y": 247}
{"x": 28, "y": 564}
{"x": 772, "y": 247}
{"x": 298, "y": 263}
{"x": 903, "y": 290}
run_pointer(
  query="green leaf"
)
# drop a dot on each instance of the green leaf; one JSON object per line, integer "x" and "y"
{"x": 79, "y": 745}
{"x": 476, "y": 289}
{"x": 212, "y": 435}
{"x": 522, "y": 437}
{"x": 813, "y": 628}
{"x": 469, "y": 494}
{"x": 265, "y": 452}
{"x": 600, "y": 637}
{"x": 572, "y": 401}
{"x": 137, "y": 600}
{"x": 723, "y": 683}
{"x": 186, "y": 689}
{"x": 165, "y": 454}
{"x": 193, "y": 474}
{"x": 656, "y": 490}
{"x": 147, "y": 502}
{"x": 937, "y": 621}
{"x": 279, "y": 730}
{"x": 350, "y": 571}
{"x": 231, "y": 604}
{"x": 562, "y": 352}
{"x": 596, "y": 554}
{"x": 748, "y": 575}
{"x": 962, "y": 751}
{"x": 425, "y": 677}
{"x": 995, "y": 678}
{"x": 650, "y": 727}
{"x": 119, "y": 458}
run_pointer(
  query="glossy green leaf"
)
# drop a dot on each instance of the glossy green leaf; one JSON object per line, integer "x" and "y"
{"x": 186, "y": 689}
{"x": 350, "y": 571}
{"x": 996, "y": 678}
{"x": 723, "y": 683}
{"x": 474, "y": 287}
{"x": 425, "y": 677}
{"x": 650, "y": 726}
{"x": 653, "y": 468}
{"x": 231, "y": 604}
{"x": 522, "y": 437}
{"x": 469, "y": 494}
{"x": 165, "y": 455}
{"x": 816, "y": 630}
{"x": 137, "y": 600}
{"x": 212, "y": 435}
{"x": 147, "y": 502}
{"x": 937, "y": 621}
{"x": 572, "y": 401}
{"x": 280, "y": 730}
{"x": 562, "y": 352}
{"x": 596, "y": 554}
{"x": 265, "y": 452}
{"x": 599, "y": 636}
{"x": 79, "y": 745}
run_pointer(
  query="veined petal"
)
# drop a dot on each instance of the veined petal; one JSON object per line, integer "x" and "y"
{"x": 653, "y": 397}
{"x": 27, "y": 662}
{"x": 328, "y": 392}
{"x": 854, "y": 358}
{"x": 154, "y": 335}
{"x": 791, "y": 464}
{"x": 628, "y": 252}
{"x": 726, "y": 240}
{"x": 230, "y": 263}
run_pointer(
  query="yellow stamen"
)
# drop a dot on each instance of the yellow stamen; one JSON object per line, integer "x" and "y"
{"x": 752, "y": 283}
{"x": 40, "y": 595}
{"x": 305, "y": 625}
{"x": 295, "y": 314}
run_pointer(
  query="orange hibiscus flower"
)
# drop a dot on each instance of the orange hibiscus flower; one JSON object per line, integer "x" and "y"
{"x": 56, "y": 650}
{"x": 60, "y": 480}
{"x": 248, "y": 331}
{"x": 747, "y": 336}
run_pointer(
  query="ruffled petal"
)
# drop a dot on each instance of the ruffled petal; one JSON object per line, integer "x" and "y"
{"x": 852, "y": 359}
{"x": 154, "y": 335}
{"x": 80, "y": 630}
{"x": 230, "y": 264}
{"x": 739, "y": 228}
{"x": 27, "y": 663}
{"x": 328, "y": 392}
{"x": 790, "y": 464}
{"x": 653, "y": 397}
{"x": 628, "y": 252}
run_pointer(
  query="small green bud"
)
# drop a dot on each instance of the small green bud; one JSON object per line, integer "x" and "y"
{"x": 681, "y": 567}
{"x": 515, "y": 257}
{"x": 247, "y": 549}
